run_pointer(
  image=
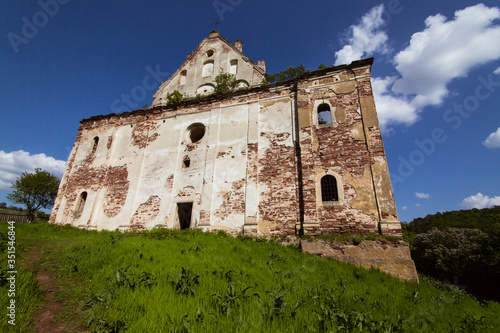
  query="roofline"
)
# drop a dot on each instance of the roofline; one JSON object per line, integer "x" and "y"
{"x": 368, "y": 62}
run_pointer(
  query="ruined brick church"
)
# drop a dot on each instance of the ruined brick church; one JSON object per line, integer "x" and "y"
{"x": 302, "y": 156}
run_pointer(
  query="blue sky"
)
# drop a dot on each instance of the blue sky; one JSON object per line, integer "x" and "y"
{"x": 436, "y": 76}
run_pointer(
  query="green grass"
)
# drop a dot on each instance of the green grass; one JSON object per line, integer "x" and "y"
{"x": 189, "y": 281}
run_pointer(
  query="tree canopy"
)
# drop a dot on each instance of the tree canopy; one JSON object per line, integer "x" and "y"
{"x": 35, "y": 190}
{"x": 486, "y": 220}
{"x": 459, "y": 246}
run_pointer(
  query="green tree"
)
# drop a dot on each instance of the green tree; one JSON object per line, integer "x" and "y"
{"x": 449, "y": 253}
{"x": 174, "y": 98}
{"x": 225, "y": 82}
{"x": 35, "y": 190}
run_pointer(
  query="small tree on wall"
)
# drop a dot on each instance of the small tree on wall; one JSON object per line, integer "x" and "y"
{"x": 174, "y": 98}
{"x": 225, "y": 82}
{"x": 35, "y": 190}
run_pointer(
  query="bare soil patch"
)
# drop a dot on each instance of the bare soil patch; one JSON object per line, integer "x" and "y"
{"x": 45, "y": 320}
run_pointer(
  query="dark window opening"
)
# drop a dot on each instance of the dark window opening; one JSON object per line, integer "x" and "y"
{"x": 81, "y": 202}
{"x": 186, "y": 162}
{"x": 324, "y": 114}
{"x": 182, "y": 80}
{"x": 96, "y": 142}
{"x": 196, "y": 132}
{"x": 184, "y": 211}
{"x": 329, "y": 190}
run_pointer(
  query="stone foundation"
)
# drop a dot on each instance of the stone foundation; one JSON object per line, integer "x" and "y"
{"x": 393, "y": 259}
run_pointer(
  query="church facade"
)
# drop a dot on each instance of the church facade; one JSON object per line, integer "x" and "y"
{"x": 298, "y": 157}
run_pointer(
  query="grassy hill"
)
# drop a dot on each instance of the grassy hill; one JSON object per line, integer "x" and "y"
{"x": 189, "y": 281}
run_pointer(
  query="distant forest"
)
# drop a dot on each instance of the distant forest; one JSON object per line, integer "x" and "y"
{"x": 459, "y": 247}
{"x": 486, "y": 220}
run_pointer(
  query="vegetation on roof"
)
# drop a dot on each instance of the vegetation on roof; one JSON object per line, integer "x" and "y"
{"x": 225, "y": 82}
{"x": 288, "y": 74}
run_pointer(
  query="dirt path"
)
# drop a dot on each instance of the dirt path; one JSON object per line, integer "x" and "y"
{"x": 45, "y": 320}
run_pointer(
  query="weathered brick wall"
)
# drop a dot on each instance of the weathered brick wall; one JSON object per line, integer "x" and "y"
{"x": 117, "y": 185}
{"x": 277, "y": 174}
{"x": 351, "y": 149}
{"x": 245, "y": 175}
{"x": 338, "y": 149}
{"x": 146, "y": 212}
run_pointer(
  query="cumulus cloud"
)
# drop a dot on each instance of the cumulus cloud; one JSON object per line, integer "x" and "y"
{"x": 446, "y": 50}
{"x": 493, "y": 140}
{"x": 442, "y": 52}
{"x": 392, "y": 109}
{"x": 364, "y": 38}
{"x": 480, "y": 201}
{"x": 13, "y": 164}
{"x": 422, "y": 195}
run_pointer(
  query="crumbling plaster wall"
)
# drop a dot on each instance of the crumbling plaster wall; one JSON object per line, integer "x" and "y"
{"x": 277, "y": 169}
{"x": 351, "y": 149}
{"x": 243, "y": 174}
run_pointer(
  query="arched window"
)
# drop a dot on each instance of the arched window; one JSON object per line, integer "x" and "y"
{"x": 324, "y": 114}
{"x": 182, "y": 79}
{"x": 81, "y": 202}
{"x": 94, "y": 146}
{"x": 205, "y": 89}
{"x": 208, "y": 69}
{"x": 233, "y": 69}
{"x": 329, "y": 191}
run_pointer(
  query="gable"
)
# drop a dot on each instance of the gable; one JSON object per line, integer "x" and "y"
{"x": 214, "y": 55}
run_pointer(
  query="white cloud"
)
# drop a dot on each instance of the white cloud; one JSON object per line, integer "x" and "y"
{"x": 365, "y": 38}
{"x": 422, "y": 195}
{"x": 480, "y": 201}
{"x": 493, "y": 140}
{"x": 418, "y": 205}
{"x": 497, "y": 71}
{"x": 405, "y": 208}
{"x": 446, "y": 50}
{"x": 390, "y": 108}
{"x": 13, "y": 164}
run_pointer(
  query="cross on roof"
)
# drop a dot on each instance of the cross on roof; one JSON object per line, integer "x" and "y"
{"x": 216, "y": 24}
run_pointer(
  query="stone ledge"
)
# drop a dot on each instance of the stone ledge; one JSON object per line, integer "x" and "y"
{"x": 394, "y": 259}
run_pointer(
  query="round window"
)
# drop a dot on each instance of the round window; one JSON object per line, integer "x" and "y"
{"x": 196, "y": 132}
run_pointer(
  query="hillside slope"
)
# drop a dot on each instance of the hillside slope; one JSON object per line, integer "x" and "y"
{"x": 189, "y": 281}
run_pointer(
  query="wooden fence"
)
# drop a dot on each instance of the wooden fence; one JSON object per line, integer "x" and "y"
{"x": 8, "y": 215}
